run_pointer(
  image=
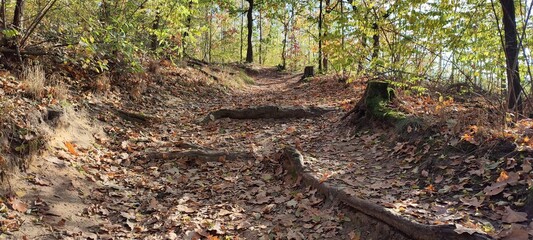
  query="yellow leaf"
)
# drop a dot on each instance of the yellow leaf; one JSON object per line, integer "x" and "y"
{"x": 71, "y": 148}
{"x": 503, "y": 176}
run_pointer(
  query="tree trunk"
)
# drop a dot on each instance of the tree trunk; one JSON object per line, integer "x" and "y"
{"x": 3, "y": 14}
{"x": 187, "y": 30}
{"x": 514, "y": 88}
{"x": 242, "y": 29}
{"x": 18, "y": 17}
{"x": 284, "y": 48}
{"x": 320, "y": 37}
{"x": 260, "y": 37}
{"x": 375, "y": 44}
{"x": 155, "y": 27}
{"x": 249, "y": 50}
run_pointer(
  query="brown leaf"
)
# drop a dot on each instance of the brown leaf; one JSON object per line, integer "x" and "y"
{"x": 61, "y": 223}
{"x": 439, "y": 179}
{"x": 511, "y": 216}
{"x": 462, "y": 229}
{"x": 18, "y": 205}
{"x": 474, "y": 202}
{"x": 495, "y": 188}
{"x": 517, "y": 232}
{"x": 526, "y": 166}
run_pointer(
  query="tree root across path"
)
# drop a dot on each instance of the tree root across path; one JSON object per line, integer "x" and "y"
{"x": 275, "y": 112}
{"x": 203, "y": 155}
{"x": 292, "y": 161}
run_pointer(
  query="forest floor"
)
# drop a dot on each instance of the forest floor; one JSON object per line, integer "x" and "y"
{"x": 173, "y": 173}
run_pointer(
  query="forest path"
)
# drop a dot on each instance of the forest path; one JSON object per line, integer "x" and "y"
{"x": 126, "y": 187}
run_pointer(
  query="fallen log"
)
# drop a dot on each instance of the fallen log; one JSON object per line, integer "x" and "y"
{"x": 292, "y": 161}
{"x": 275, "y": 112}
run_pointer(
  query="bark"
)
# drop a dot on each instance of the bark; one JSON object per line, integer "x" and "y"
{"x": 155, "y": 26}
{"x": 249, "y": 50}
{"x": 514, "y": 88}
{"x": 260, "y": 37}
{"x": 375, "y": 43}
{"x": 242, "y": 29}
{"x": 18, "y": 17}
{"x": 3, "y": 14}
{"x": 320, "y": 67}
{"x": 187, "y": 30}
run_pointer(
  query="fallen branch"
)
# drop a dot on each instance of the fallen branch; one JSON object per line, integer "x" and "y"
{"x": 292, "y": 161}
{"x": 276, "y": 112}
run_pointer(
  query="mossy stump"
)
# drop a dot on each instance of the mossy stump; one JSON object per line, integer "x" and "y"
{"x": 375, "y": 106}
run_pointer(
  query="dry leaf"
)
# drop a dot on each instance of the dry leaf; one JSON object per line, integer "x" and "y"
{"x": 503, "y": 176}
{"x": 495, "y": 189}
{"x": 462, "y": 229}
{"x": 526, "y": 167}
{"x": 517, "y": 232}
{"x": 18, "y": 205}
{"x": 511, "y": 216}
{"x": 71, "y": 149}
{"x": 472, "y": 201}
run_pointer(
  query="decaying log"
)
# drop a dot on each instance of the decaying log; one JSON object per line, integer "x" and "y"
{"x": 275, "y": 112}
{"x": 292, "y": 160}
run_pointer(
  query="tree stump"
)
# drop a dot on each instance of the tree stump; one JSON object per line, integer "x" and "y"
{"x": 309, "y": 71}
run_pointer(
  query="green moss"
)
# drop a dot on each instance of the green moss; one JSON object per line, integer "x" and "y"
{"x": 379, "y": 109}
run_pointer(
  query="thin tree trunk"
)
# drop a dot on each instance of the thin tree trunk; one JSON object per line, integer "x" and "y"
{"x": 375, "y": 43}
{"x": 285, "y": 39}
{"x": 18, "y": 18}
{"x": 210, "y": 48}
{"x": 3, "y": 14}
{"x": 342, "y": 33}
{"x": 242, "y": 28}
{"x": 320, "y": 69}
{"x": 155, "y": 27}
{"x": 249, "y": 50}
{"x": 260, "y": 37}
{"x": 511, "y": 52}
{"x": 187, "y": 30}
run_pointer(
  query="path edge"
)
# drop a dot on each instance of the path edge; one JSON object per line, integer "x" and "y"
{"x": 292, "y": 161}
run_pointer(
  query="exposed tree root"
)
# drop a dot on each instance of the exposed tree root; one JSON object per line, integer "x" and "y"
{"x": 126, "y": 115}
{"x": 200, "y": 154}
{"x": 276, "y": 112}
{"x": 292, "y": 161}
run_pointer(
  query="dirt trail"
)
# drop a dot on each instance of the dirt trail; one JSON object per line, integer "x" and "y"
{"x": 111, "y": 191}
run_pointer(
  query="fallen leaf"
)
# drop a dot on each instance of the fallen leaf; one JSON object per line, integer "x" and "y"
{"x": 462, "y": 229}
{"x": 474, "y": 202}
{"x": 495, "y": 189}
{"x": 185, "y": 209}
{"x": 292, "y": 203}
{"x": 517, "y": 232}
{"x": 526, "y": 166}
{"x": 510, "y": 216}
{"x": 18, "y": 205}
{"x": 503, "y": 176}
{"x": 71, "y": 149}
